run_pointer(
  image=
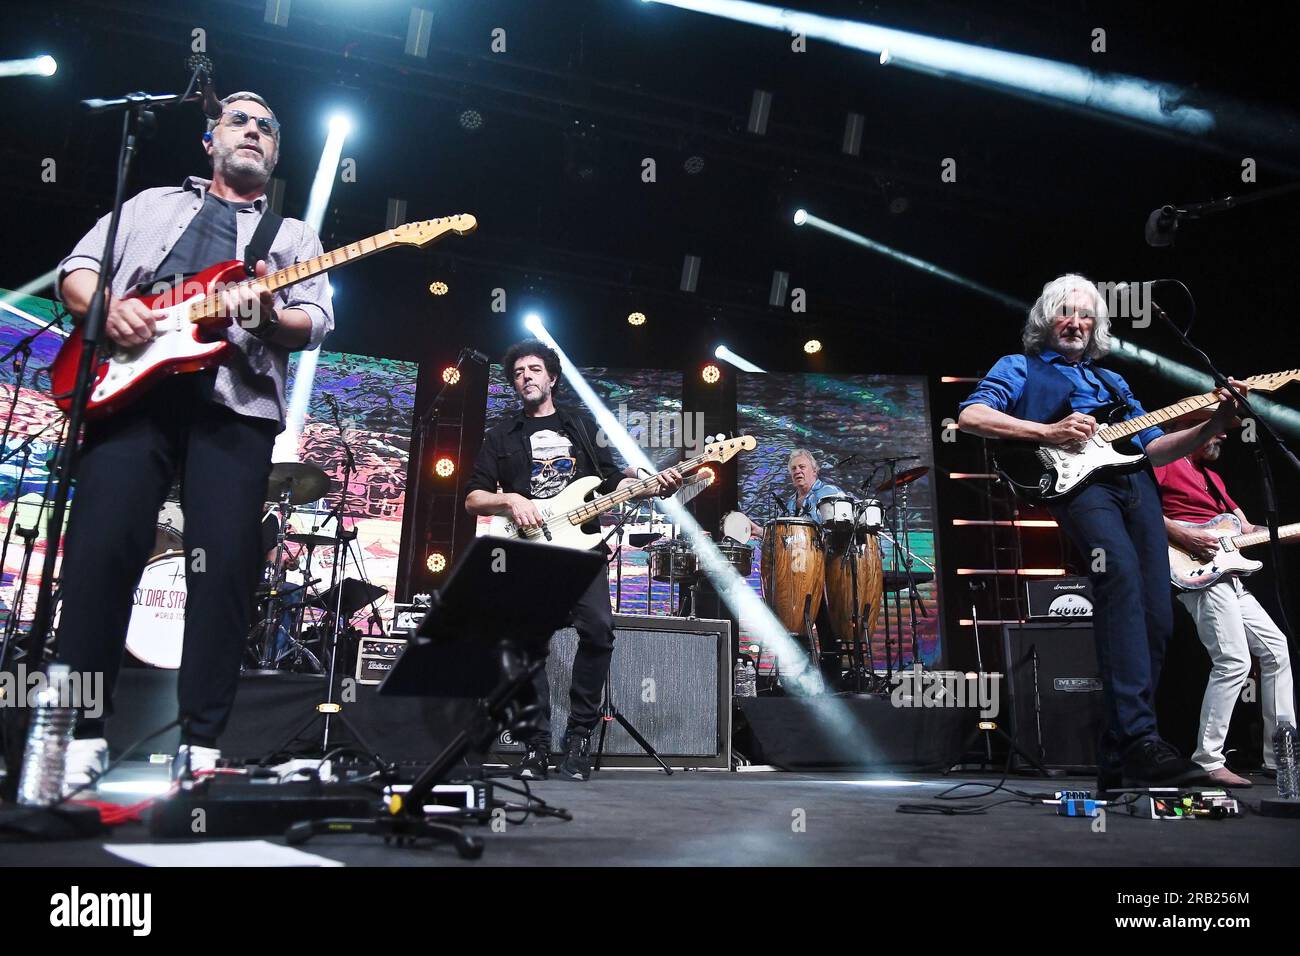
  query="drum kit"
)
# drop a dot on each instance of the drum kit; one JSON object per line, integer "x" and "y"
{"x": 281, "y": 639}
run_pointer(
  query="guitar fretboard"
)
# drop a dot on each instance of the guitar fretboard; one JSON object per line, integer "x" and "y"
{"x": 207, "y": 307}
{"x": 598, "y": 506}
{"x": 1259, "y": 537}
{"x": 1134, "y": 425}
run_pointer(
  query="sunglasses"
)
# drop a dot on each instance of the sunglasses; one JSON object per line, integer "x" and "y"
{"x": 562, "y": 465}
{"x": 268, "y": 125}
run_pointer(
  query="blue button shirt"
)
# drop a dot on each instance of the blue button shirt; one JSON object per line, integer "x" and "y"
{"x": 819, "y": 490}
{"x": 1001, "y": 388}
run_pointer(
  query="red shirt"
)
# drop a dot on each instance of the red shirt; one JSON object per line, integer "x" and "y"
{"x": 1185, "y": 493}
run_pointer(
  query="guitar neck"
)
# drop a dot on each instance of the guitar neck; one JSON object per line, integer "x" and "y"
{"x": 1259, "y": 537}
{"x": 302, "y": 271}
{"x": 1132, "y": 426}
{"x": 598, "y": 506}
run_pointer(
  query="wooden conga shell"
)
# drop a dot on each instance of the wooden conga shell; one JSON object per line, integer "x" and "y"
{"x": 840, "y": 599}
{"x": 792, "y": 570}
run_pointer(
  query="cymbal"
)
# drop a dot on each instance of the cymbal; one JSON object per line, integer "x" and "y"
{"x": 902, "y": 478}
{"x": 305, "y": 482}
{"x": 311, "y": 540}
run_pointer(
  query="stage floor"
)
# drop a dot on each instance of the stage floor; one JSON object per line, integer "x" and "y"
{"x": 710, "y": 818}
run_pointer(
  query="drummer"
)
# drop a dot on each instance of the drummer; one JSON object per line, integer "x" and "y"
{"x": 808, "y": 488}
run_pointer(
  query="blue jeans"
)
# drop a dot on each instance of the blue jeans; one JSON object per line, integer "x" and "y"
{"x": 1118, "y": 526}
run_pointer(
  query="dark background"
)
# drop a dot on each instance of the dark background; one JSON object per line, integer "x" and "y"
{"x": 586, "y": 90}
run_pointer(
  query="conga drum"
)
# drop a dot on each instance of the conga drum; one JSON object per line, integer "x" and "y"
{"x": 792, "y": 570}
{"x": 840, "y": 595}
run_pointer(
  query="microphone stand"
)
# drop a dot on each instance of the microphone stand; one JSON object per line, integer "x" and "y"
{"x": 138, "y": 120}
{"x": 336, "y": 582}
{"x": 1271, "y": 516}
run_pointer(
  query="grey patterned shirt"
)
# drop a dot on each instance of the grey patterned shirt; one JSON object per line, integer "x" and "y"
{"x": 252, "y": 381}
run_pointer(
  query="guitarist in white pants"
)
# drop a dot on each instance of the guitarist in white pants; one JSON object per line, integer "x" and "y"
{"x": 536, "y": 453}
{"x": 1230, "y": 621}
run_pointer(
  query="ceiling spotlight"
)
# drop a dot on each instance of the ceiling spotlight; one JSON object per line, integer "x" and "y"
{"x": 711, "y": 374}
{"x": 340, "y": 125}
{"x": 812, "y": 346}
{"x": 636, "y": 318}
{"x": 436, "y": 562}
{"x": 444, "y": 467}
{"x": 451, "y": 375}
{"x": 800, "y": 216}
{"x": 885, "y": 57}
{"x": 471, "y": 120}
{"x": 533, "y": 323}
{"x": 46, "y": 65}
{"x": 694, "y": 165}
{"x": 438, "y": 288}
{"x": 898, "y": 205}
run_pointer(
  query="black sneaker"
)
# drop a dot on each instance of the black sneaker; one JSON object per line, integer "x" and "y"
{"x": 534, "y": 765}
{"x": 1154, "y": 763}
{"x": 576, "y": 764}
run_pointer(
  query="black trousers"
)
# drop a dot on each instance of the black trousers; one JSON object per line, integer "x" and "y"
{"x": 594, "y": 621}
{"x": 127, "y": 465}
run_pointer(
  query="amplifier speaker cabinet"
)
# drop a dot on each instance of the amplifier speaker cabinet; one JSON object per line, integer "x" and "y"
{"x": 669, "y": 676}
{"x": 1054, "y": 692}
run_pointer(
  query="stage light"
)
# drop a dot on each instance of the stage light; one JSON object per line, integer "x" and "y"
{"x": 800, "y": 216}
{"x": 694, "y": 165}
{"x": 812, "y": 346}
{"x": 636, "y": 318}
{"x": 340, "y": 125}
{"x": 29, "y": 66}
{"x": 444, "y": 467}
{"x": 436, "y": 562}
{"x": 711, "y": 374}
{"x": 742, "y": 363}
{"x": 533, "y": 323}
{"x": 1114, "y": 95}
{"x": 471, "y": 120}
{"x": 451, "y": 375}
{"x": 438, "y": 288}
{"x": 707, "y": 474}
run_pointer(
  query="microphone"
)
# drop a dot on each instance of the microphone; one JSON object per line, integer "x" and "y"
{"x": 780, "y": 505}
{"x": 477, "y": 356}
{"x": 1161, "y": 227}
{"x": 209, "y": 100}
{"x": 843, "y": 461}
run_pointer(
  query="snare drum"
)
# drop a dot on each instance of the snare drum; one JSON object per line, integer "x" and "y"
{"x": 792, "y": 570}
{"x": 156, "y": 632}
{"x": 672, "y": 560}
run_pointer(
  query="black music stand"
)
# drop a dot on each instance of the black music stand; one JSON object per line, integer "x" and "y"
{"x": 501, "y": 604}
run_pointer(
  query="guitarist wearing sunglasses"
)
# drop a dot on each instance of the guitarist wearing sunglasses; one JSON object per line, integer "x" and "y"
{"x": 214, "y": 428}
{"x": 1229, "y": 620}
{"x": 535, "y": 453}
{"x": 1047, "y": 394}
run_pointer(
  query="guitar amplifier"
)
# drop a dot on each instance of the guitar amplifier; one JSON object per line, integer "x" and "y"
{"x": 1054, "y": 692}
{"x": 1068, "y": 597}
{"x": 375, "y": 655}
{"x": 670, "y": 677}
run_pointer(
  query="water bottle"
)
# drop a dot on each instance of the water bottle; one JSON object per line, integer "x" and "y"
{"x": 48, "y": 735}
{"x": 746, "y": 678}
{"x": 1284, "y": 752}
{"x": 738, "y": 678}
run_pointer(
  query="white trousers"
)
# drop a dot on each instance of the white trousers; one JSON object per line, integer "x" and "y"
{"x": 1233, "y": 626}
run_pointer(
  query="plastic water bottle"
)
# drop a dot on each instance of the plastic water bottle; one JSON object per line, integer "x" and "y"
{"x": 1284, "y": 751}
{"x": 746, "y": 678}
{"x": 48, "y": 735}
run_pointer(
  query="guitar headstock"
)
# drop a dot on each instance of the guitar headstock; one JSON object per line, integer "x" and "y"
{"x": 425, "y": 231}
{"x": 728, "y": 448}
{"x": 1272, "y": 380}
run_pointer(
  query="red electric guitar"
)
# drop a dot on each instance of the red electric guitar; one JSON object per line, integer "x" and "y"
{"x": 182, "y": 344}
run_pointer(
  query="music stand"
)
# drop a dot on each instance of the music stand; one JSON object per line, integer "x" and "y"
{"x": 502, "y": 601}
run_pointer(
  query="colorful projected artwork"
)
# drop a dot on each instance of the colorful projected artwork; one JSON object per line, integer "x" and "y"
{"x": 375, "y": 396}
{"x": 849, "y": 423}
{"x": 649, "y": 402}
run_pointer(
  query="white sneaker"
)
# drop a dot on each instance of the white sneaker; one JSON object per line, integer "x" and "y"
{"x": 83, "y": 760}
{"x": 199, "y": 759}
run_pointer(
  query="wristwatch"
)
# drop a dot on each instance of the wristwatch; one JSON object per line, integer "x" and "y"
{"x": 266, "y": 328}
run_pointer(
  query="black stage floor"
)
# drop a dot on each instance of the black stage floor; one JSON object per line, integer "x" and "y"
{"x": 704, "y": 818}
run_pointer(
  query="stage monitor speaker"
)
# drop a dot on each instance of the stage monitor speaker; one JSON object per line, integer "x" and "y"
{"x": 1054, "y": 692}
{"x": 669, "y": 676}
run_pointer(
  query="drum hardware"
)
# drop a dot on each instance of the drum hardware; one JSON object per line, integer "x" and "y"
{"x": 900, "y": 484}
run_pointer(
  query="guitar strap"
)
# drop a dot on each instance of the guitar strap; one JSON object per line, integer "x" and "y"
{"x": 1213, "y": 489}
{"x": 575, "y": 423}
{"x": 1104, "y": 377}
{"x": 259, "y": 247}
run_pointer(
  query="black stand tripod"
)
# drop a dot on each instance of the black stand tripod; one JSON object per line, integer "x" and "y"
{"x": 608, "y": 712}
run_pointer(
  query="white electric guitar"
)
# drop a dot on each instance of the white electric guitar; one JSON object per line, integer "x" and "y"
{"x": 1190, "y": 574}
{"x": 566, "y": 513}
{"x": 1047, "y": 473}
